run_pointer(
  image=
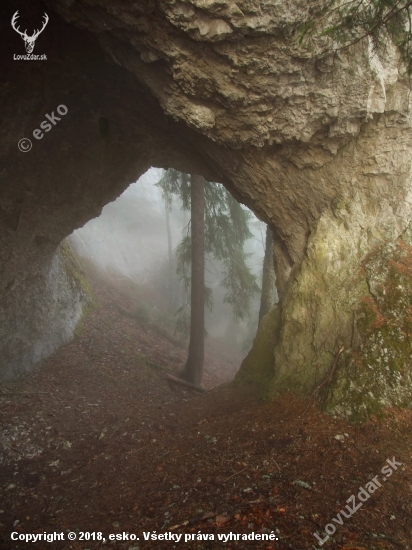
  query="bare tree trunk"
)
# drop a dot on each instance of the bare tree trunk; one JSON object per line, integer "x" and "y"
{"x": 268, "y": 296}
{"x": 170, "y": 253}
{"x": 193, "y": 370}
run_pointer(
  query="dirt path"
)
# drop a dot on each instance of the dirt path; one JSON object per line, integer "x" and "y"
{"x": 97, "y": 441}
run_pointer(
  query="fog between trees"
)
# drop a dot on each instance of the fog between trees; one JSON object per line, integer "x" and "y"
{"x": 129, "y": 239}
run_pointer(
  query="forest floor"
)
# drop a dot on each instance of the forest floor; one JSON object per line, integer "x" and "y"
{"x": 97, "y": 444}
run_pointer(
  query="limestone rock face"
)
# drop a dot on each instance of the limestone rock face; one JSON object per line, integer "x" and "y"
{"x": 374, "y": 372}
{"x": 59, "y": 299}
{"x": 235, "y": 73}
{"x": 318, "y": 145}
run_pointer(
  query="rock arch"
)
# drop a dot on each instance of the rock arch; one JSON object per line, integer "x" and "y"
{"x": 317, "y": 146}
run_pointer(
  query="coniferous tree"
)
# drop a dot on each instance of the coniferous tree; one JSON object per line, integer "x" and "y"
{"x": 349, "y": 22}
{"x": 168, "y": 208}
{"x": 193, "y": 369}
{"x": 225, "y": 232}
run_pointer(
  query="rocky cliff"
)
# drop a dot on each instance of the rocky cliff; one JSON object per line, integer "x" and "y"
{"x": 44, "y": 313}
{"x": 317, "y": 144}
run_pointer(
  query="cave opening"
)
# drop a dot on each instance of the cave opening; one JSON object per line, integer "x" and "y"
{"x": 129, "y": 87}
{"x": 126, "y": 250}
{"x": 317, "y": 143}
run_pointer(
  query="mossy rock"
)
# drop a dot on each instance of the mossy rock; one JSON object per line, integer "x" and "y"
{"x": 258, "y": 366}
{"x": 79, "y": 283}
{"x": 378, "y": 374}
{"x": 375, "y": 370}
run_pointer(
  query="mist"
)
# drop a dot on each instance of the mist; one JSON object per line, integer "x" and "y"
{"x": 129, "y": 240}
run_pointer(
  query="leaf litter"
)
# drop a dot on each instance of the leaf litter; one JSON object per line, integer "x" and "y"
{"x": 97, "y": 440}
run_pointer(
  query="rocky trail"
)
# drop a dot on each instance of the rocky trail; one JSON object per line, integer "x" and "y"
{"x": 97, "y": 443}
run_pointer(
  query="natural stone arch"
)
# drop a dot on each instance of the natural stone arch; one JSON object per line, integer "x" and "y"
{"x": 317, "y": 146}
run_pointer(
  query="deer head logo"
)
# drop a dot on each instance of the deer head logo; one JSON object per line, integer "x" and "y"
{"x": 29, "y": 41}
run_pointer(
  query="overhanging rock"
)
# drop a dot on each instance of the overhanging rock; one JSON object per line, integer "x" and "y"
{"x": 317, "y": 145}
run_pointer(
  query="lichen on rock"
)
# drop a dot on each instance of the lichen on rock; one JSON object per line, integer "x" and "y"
{"x": 377, "y": 373}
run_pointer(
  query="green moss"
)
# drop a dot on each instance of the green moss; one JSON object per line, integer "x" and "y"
{"x": 258, "y": 366}
{"x": 378, "y": 373}
{"x": 79, "y": 283}
{"x": 87, "y": 309}
{"x": 74, "y": 269}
